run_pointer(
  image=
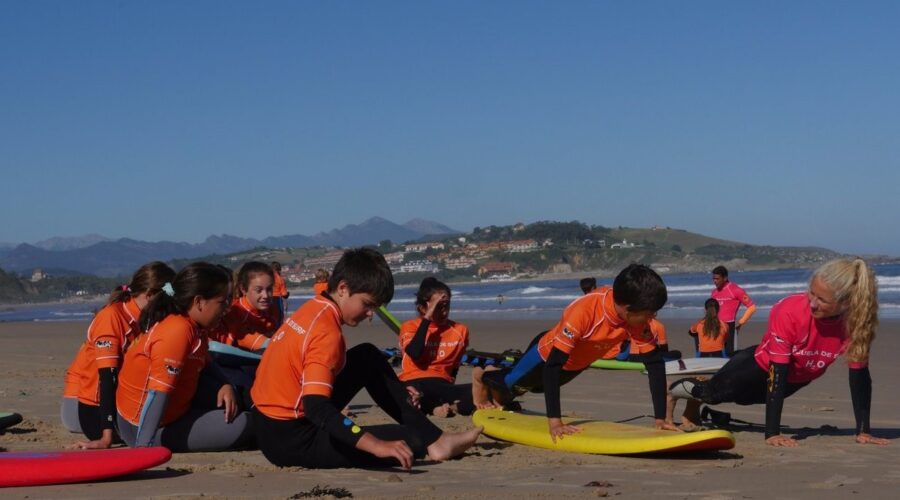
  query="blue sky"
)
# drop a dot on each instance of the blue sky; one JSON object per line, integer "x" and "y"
{"x": 764, "y": 122}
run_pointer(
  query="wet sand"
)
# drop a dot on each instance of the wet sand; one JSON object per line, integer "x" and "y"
{"x": 828, "y": 463}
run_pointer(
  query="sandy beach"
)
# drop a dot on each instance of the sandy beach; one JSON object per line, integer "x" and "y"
{"x": 828, "y": 463}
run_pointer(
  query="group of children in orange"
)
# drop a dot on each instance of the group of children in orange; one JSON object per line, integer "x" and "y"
{"x": 145, "y": 373}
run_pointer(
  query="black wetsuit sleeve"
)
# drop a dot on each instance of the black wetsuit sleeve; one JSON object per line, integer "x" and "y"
{"x": 107, "y": 398}
{"x": 656, "y": 377}
{"x": 775, "y": 397}
{"x": 663, "y": 347}
{"x": 324, "y": 415}
{"x": 416, "y": 346}
{"x": 552, "y": 369}
{"x": 861, "y": 395}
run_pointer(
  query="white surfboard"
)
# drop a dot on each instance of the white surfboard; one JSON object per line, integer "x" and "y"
{"x": 693, "y": 366}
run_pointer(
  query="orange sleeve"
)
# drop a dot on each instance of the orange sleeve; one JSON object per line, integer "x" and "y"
{"x": 642, "y": 339}
{"x": 168, "y": 351}
{"x": 107, "y": 338}
{"x": 407, "y": 332}
{"x": 320, "y": 363}
{"x": 660, "y": 332}
{"x": 571, "y": 327}
{"x": 251, "y": 341}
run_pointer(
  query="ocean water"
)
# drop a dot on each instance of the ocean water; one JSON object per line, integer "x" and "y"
{"x": 545, "y": 299}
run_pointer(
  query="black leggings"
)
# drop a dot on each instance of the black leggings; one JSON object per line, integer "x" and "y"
{"x": 437, "y": 391}
{"x": 731, "y": 339}
{"x": 740, "y": 381}
{"x": 300, "y": 442}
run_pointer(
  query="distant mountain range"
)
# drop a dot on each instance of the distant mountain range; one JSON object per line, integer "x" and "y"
{"x": 101, "y": 256}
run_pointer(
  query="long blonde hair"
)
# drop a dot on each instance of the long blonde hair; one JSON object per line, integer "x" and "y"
{"x": 853, "y": 283}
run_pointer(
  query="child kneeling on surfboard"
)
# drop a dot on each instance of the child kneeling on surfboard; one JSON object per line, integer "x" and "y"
{"x": 307, "y": 376}
{"x": 433, "y": 346}
{"x": 590, "y": 328}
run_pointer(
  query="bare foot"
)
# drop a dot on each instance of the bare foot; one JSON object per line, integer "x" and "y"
{"x": 442, "y": 411}
{"x": 481, "y": 396}
{"x": 691, "y": 412}
{"x": 452, "y": 444}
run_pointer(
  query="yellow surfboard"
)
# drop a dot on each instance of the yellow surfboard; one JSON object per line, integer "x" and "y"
{"x": 596, "y": 437}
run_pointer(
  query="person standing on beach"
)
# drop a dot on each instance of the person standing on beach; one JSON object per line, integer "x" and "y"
{"x": 730, "y": 298}
{"x": 307, "y": 376}
{"x": 280, "y": 293}
{"x": 321, "y": 284}
{"x": 807, "y": 332}
{"x": 89, "y": 397}
{"x": 591, "y": 328}
{"x": 710, "y": 332}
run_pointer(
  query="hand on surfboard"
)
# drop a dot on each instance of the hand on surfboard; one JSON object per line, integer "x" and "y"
{"x": 558, "y": 429}
{"x": 225, "y": 398}
{"x": 667, "y": 426}
{"x": 866, "y": 438}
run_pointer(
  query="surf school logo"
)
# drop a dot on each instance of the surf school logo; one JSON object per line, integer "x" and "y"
{"x": 103, "y": 344}
{"x": 567, "y": 333}
{"x": 172, "y": 370}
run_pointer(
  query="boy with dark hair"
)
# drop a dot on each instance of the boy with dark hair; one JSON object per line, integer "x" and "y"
{"x": 590, "y": 328}
{"x": 730, "y": 298}
{"x": 307, "y": 376}
{"x": 588, "y": 285}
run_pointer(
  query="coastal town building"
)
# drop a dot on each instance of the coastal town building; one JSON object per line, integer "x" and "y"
{"x": 37, "y": 275}
{"x": 496, "y": 270}
{"x": 421, "y": 247}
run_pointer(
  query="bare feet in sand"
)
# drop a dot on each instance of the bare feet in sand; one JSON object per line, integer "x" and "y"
{"x": 443, "y": 410}
{"x": 481, "y": 396}
{"x": 452, "y": 444}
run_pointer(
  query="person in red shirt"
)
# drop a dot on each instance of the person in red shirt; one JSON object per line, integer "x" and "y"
{"x": 89, "y": 401}
{"x": 280, "y": 292}
{"x": 730, "y": 297}
{"x": 591, "y": 327}
{"x": 307, "y": 376}
{"x": 168, "y": 390}
{"x": 806, "y": 334}
{"x": 710, "y": 332}
{"x": 433, "y": 346}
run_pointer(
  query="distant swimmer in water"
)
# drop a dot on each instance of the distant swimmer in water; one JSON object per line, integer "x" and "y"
{"x": 807, "y": 332}
{"x": 500, "y": 298}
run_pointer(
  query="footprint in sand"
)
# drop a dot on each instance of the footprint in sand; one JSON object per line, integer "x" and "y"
{"x": 835, "y": 482}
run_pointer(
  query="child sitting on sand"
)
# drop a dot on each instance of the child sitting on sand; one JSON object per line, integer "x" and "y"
{"x": 307, "y": 376}
{"x": 433, "y": 346}
{"x": 168, "y": 393}
{"x": 89, "y": 398}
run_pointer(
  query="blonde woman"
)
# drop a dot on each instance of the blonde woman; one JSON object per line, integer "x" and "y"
{"x": 807, "y": 332}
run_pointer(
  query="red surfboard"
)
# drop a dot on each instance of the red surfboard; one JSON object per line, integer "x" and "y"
{"x": 59, "y": 467}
